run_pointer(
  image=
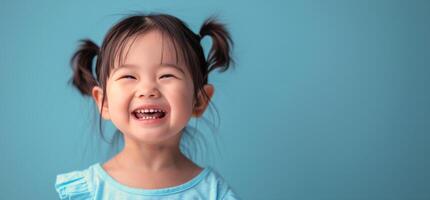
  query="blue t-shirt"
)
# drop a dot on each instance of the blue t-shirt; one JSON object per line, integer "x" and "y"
{"x": 95, "y": 183}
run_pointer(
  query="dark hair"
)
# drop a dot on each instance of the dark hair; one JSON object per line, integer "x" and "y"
{"x": 176, "y": 30}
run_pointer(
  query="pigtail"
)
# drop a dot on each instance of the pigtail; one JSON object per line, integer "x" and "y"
{"x": 219, "y": 54}
{"x": 81, "y": 63}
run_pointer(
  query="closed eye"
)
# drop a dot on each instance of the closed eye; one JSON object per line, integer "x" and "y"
{"x": 167, "y": 75}
{"x": 127, "y": 76}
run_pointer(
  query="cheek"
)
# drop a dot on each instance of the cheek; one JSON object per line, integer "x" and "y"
{"x": 118, "y": 98}
{"x": 182, "y": 97}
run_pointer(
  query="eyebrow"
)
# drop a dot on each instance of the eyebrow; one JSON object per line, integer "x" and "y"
{"x": 135, "y": 66}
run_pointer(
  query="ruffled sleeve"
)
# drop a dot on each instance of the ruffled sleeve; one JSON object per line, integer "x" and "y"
{"x": 231, "y": 195}
{"x": 73, "y": 185}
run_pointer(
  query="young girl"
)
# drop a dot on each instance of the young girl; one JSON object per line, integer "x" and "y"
{"x": 151, "y": 78}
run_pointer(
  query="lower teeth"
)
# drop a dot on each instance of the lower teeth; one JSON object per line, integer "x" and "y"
{"x": 149, "y": 118}
{"x": 143, "y": 117}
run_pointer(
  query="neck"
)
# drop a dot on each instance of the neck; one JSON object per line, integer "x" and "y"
{"x": 150, "y": 157}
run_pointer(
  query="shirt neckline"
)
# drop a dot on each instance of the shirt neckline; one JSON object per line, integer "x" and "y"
{"x": 161, "y": 191}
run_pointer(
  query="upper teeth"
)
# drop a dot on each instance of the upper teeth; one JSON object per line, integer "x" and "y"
{"x": 148, "y": 110}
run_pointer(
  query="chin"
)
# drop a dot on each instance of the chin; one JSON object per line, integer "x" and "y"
{"x": 154, "y": 137}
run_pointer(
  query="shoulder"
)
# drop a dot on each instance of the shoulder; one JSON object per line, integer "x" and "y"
{"x": 223, "y": 189}
{"x": 75, "y": 184}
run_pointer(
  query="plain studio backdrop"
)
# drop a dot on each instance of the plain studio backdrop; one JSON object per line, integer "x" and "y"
{"x": 328, "y": 99}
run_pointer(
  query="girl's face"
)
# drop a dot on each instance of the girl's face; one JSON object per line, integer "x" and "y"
{"x": 140, "y": 81}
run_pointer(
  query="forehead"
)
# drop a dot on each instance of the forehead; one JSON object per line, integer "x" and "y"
{"x": 149, "y": 48}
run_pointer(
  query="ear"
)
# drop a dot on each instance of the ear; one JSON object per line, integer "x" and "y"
{"x": 203, "y": 102}
{"x": 97, "y": 93}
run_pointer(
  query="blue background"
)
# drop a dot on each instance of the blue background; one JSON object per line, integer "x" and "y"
{"x": 328, "y": 100}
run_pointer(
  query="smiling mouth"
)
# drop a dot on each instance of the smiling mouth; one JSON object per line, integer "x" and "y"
{"x": 146, "y": 114}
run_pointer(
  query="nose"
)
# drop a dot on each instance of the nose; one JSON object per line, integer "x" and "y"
{"x": 148, "y": 92}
